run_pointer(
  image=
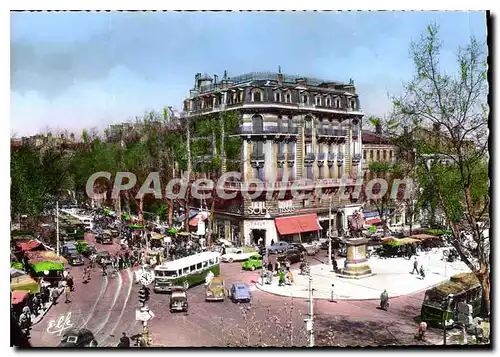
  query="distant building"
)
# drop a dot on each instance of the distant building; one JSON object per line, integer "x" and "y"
{"x": 291, "y": 127}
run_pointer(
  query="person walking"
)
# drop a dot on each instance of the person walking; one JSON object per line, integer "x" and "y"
{"x": 67, "y": 290}
{"x": 422, "y": 328}
{"x": 124, "y": 340}
{"x": 415, "y": 266}
{"x": 54, "y": 294}
{"x": 281, "y": 281}
{"x": 384, "y": 300}
{"x": 70, "y": 282}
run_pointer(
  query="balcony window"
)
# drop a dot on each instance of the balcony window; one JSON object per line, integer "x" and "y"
{"x": 321, "y": 172}
{"x": 281, "y": 148}
{"x": 305, "y": 99}
{"x": 288, "y": 98}
{"x": 309, "y": 149}
{"x": 277, "y": 97}
{"x": 328, "y": 102}
{"x": 318, "y": 100}
{"x": 308, "y": 122}
{"x": 257, "y": 124}
{"x": 256, "y": 96}
{"x": 310, "y": 173}
{"x": 337, "y": 103}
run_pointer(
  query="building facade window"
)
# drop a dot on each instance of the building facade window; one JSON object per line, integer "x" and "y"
{"x": 318, "y": 100}
{"x": 288, "y": 97}
{"x": 364, "y": 154}
{"x": 277, "y": 96}
{"x": 308, "y": 122}
{"x": 377, "y": 157}
{"x": 337, "y": 103}
{"x": 328, "y": 102}
{"x": 256, "y": 95}
{"x": 305, "y": 99}
{"x": 257, "y": 124}
{"x": 310, "y": 173}
{"x": 279, "y": 121}
{"x": 383, "y": 155}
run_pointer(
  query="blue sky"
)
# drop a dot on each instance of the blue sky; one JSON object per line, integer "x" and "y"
{"x": 83, "y": 70}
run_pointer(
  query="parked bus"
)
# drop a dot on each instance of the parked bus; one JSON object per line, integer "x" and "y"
{"x": 436, "y": 308}
{"x": 186, "y": 272}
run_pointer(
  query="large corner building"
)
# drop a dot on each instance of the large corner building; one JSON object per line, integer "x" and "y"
{"x": 292, "y": 128}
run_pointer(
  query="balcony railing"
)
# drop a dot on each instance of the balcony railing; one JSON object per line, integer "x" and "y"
{"x": 238, "y": 185}
{"x": 281, "y": 157}
{"x": 308, "y": 131}
{"x": 290, "y": 157}
{"x": 310, "y": 156}
{"x": 257, "y": 156}
{"x": 356, "y": 157}
{"x": 331, "y": 132}
{"x": 321, "y": 156}
{"x": 331, "y": 156}
{"x": 340, "y": 156}
{"x": 266, "y": 130}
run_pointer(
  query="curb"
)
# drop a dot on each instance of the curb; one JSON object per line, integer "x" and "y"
{"x": 40, "y": 317}
{"x": 259, "y": 286}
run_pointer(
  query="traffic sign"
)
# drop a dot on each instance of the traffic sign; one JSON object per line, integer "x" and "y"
{"x": 145, "y": 315}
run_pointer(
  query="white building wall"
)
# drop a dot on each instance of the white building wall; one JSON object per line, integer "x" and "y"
{"x": 265, "y": 224}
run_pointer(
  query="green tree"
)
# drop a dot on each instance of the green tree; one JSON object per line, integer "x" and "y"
{"x": 447, "y": 118}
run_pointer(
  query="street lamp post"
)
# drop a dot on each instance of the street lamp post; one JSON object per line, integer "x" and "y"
{"x": 447, "y": 306}
{"x": 330, "y": 234}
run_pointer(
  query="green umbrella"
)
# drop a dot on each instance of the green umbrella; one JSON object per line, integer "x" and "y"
{"x": 172, "y": 230}
{"x": 126, "y": 217}
{"x": 136, "y": 226}
{"x": 48, "y": 266}
{"x": 107, "y": 212}
{"x": 372, "y": 229}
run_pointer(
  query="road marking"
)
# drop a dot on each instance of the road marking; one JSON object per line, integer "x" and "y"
{"x": 129, "y": 273}
{"x": 101, "y": 293}
{"x": 118, "y": 289}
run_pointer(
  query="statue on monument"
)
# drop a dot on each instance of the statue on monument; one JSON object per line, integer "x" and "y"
{"x": 355, "y": 224}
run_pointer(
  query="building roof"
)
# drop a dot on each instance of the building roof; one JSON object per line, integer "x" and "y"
{"x": 370, "y": 137}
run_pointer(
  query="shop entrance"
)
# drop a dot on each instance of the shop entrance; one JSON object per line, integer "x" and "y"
{"x": 257, "y": 234}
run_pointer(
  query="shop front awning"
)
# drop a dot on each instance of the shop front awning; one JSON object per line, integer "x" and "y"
{"x": 297, "y": 224}
{"x": 373, "y": 221}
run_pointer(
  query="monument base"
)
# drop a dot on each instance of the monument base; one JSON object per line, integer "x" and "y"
{"x": 356, "y": 265}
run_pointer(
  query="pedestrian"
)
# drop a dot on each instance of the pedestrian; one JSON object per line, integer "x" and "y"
{"x": 408, "y": 251}
{"x": 67, "y": 290}
{"x": 335, "y": 266}
{"x": 70, "y": 282}
{"x": 415, "y": 266}
{"x": 422, "y": 328}
{"x": 259, "y": 241}
{"x": 287, "y": 264}
{"x": 272, "y": 241}
{"x": 35, "y": 304}
{"x": 124, "y": 341}
{"x": 54, "y": 294}
{"x": 384, "y": 300}
{"x": 85, "y": 273}
{"x": 281, "y": 281}
{"x": 422, "y": 272}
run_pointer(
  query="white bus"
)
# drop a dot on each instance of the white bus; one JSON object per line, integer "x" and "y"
{"x": 186, "y": 272}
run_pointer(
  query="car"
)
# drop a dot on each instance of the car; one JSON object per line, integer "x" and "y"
{"x": 292, "y": 255}
{"x": 240, "y": 292}
{"x": 68, "y": 249}
{"x": 278, "y": 248}
{"x": 216, "y": 290}
{"x": 178, "y": 300}
{"x": 252, "y": 263}
{"x": 104, "y": 238}
{"x": 299, "y": 246}
{"x": 236, "y": 255}
{"x": 75, "y": 259}
{"x": 104, "y": 257}
{"x": 78, "y": 337}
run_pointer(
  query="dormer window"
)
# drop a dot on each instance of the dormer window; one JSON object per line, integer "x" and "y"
{"x": 318, "y": 100}
{"x": 256, "y": 96}
{"x": 337, "y": 103}
{"x": 277, "y": 97}
{"x": 288, "y": 98}
{"x": 328, "y": 101}
{"x": 305, "y": 99}
{"x": 353, "y": 103}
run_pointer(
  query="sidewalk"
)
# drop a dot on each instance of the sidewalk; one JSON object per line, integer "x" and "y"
{"x": 39, "y": 317}
{"x": 392, "y": 274}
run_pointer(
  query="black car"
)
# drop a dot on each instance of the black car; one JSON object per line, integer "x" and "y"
{"x": 104, "y": 239}
{"x": 178, "y": 301}
{"x": 299, "y": 247}
{"x": 75, "y": 259}
{"x": 78, "y": 337}
{"x": 293, "y": 255}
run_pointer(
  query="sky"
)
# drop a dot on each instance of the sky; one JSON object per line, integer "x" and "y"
{"x": 83, "y": 70}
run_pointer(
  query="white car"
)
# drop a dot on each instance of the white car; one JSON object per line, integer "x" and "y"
{"x": 236, "y": 256}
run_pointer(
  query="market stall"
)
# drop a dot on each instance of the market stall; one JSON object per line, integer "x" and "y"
{"x": 25, "y": 283}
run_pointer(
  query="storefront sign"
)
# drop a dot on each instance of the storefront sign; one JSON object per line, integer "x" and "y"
{"x": 286, "y": 206}
{"x": 257, "y": 208}
{"x": 257, "y": 224}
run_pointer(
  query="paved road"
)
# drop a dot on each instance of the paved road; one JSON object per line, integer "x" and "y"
{"x": 106, "y": 306}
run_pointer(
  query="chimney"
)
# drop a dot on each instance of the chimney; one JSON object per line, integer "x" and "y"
{"x": 378, "y": 129}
